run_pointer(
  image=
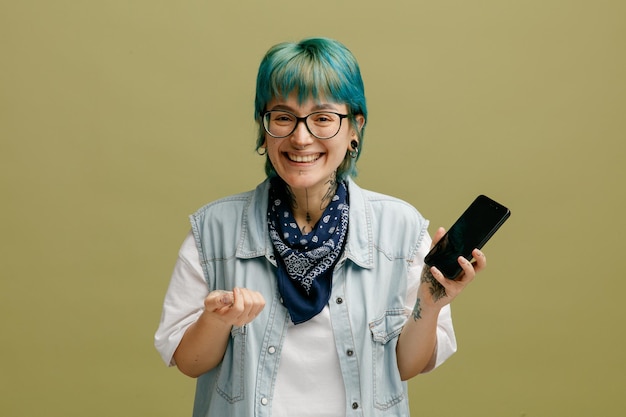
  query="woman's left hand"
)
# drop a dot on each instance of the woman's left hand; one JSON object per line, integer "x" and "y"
{"x": 437, "y": 290}
{"x": 417, "y": 345}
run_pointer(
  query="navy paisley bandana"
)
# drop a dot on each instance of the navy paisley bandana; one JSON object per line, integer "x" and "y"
{"x": 306, "y": 262}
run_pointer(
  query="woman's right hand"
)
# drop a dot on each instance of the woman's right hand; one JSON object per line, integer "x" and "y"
{"x": 235, "y": 308}
{"x": 204, "y": 343}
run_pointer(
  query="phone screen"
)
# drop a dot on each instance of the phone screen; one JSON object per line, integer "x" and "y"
{"x": 472, "y": 230}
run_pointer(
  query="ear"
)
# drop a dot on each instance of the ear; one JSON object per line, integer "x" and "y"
{"x": 355, "y": 133}
{"x": 264, "y": 147}
{"x": 360, "y": 121}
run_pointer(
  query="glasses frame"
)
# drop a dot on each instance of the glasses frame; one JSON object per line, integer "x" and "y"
{"x": 303, "y": 120}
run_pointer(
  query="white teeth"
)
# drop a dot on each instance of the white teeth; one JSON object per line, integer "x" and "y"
{"x": 304, "y": 158}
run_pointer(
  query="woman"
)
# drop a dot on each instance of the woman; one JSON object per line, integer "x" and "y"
{"x": 307, "y": 296}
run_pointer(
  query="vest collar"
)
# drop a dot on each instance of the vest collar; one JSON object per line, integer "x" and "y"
{"x": 254, "y": 240}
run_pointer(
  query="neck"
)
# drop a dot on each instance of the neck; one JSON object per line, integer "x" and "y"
{"x": 308, "y": 205}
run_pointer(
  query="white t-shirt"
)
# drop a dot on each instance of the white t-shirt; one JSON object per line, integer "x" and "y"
{"x": 309, "y": 381}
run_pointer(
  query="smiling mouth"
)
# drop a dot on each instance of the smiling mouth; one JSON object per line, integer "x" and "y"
{"x": 303, "y": 158}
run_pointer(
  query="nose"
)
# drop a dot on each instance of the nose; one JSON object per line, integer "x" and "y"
{"x": 301, "y": 137}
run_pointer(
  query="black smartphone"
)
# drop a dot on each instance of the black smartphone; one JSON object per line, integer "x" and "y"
{"x": 471, "y": 231}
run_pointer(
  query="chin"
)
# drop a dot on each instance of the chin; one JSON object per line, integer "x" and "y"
{"x": 301, "y": 180}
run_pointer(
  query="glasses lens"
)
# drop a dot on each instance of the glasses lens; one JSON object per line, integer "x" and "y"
{"x": 322, "y": 125}
{"x": 279, "y": 123}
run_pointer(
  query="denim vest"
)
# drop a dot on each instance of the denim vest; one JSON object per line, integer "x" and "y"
{"x": 366, "y": 303}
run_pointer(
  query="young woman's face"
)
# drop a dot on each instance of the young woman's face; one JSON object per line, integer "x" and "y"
{"x": 301, "y": 159}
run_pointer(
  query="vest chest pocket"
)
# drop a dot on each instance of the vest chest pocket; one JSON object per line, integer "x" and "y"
{"x": 230, "y": 380}
{"x": 388, "y": 386}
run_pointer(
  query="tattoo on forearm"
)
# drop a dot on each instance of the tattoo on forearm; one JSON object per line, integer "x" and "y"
{"x": 436, "y": 289}
{"x": 417, "y": 310}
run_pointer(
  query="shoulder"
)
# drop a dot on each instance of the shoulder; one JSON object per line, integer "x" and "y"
{"x": 228, "y": 208}
{"x": 386, "y": 208}
{"x": 225, "y": 205}
{"x": 232, "y": 225}
{"x": 390, "y": 224}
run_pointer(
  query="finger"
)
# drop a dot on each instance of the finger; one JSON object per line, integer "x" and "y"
{"x": 227, "y": 298}
{"x": 253, "y": 305}
{"x": 238, "y": 301}
{"x": 247, "y": 297}
{"x": 259, "y": 303}
{"x": 438, "y": 235}
{"x": 218, "y": 300}
{"x": 468, "y": 270}
{"x": 480, "y": 260}
{"x": 245, "y": 306}
{"x": 438, "y": 275}
{"x": 235, "y": 311}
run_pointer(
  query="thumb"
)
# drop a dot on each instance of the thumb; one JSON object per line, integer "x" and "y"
{"x": 219, "y": 299}
{"x": 438, "y": 235}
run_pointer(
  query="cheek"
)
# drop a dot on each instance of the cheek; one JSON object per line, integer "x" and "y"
{"x": 273, "y": 149}
{"x": 339, "y": 153}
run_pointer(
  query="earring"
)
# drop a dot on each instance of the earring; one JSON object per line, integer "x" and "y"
{"x": 261, "y": 153}
{"x": 355, "y": 149}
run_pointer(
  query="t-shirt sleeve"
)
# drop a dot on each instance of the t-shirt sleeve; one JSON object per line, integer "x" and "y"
{"x": 184, "y": 300}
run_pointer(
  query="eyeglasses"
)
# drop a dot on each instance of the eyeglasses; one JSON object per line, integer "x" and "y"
{"x": 321, "y": 124}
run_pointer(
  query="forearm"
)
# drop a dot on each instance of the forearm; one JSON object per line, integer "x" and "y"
{"x": 417, "y": 344}
{"x": 203, "y": 345}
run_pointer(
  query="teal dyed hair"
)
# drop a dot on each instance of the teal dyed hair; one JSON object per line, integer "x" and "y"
{"x": 314, "y": 68}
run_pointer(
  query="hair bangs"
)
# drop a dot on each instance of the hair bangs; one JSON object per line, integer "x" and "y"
{"x": 308, "y": 78}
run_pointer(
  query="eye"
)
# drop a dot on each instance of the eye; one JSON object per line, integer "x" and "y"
{"x": 281, "y": 117}
{"x": 323, "y": 117}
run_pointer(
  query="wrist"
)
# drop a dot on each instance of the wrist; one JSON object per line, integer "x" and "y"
{"x": 213, "y": 320}
{"x": 424, "y": 310}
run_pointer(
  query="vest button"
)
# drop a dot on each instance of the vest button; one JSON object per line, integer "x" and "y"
{"x": 355, "y": 406}
{"x": 349, "y": 352}
{"x": 339, "y": 300}
{"x": 271, "y": 350}
{"x": 264, "y": 401}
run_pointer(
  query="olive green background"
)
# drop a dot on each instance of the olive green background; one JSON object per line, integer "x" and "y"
{"x": 119, "y": 118}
